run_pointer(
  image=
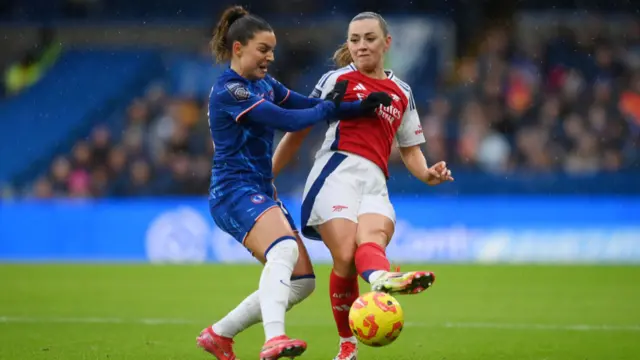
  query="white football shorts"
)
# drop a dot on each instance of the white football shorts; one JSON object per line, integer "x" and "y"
{"x": 343, "y": 185}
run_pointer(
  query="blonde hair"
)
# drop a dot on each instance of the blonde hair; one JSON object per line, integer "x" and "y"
{"x": 342, "y": 56}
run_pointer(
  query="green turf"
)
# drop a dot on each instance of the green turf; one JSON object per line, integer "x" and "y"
{"x": 472, "y": 312}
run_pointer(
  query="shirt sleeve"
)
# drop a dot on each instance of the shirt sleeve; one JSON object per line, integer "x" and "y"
{"x": 280, "y": 92}
{"x": 324, "y": 85}
{"x": 236, "y": 100}
{"x": 410, "y": 130}
{"x": 290, "y": 119}
{"x": 289, "y": 99}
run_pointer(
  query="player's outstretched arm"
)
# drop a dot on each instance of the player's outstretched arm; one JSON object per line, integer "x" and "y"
{"x": 237, "y": 101}
{"x": 416, "y": 163}
{"x": 299, "y": 101}
{"x": 294, "y": 120}
{"x": 289, "y": 99}
{"x": 287, "y": 149}
{"x": 291, "y": 120}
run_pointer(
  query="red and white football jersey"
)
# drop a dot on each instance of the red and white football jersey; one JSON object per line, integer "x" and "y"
{"x": 372, "y": 138}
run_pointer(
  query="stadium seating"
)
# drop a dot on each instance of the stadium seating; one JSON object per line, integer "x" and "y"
{"x": 84, "y": 86}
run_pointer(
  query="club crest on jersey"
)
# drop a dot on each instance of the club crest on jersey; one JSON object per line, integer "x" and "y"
{"x": 395, "y": 97}
{"x": 257, "y": 198}
{"x": 237, "y": 90}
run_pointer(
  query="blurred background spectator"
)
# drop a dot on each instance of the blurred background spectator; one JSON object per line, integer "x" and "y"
{"x": 535, "y": 94}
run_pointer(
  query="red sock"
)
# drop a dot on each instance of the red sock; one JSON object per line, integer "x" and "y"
{"x": 343, "y": 292}
{"x": 371, "y": 257}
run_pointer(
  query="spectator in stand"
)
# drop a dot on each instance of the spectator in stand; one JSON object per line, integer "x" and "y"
{"x": 569, "y": 103}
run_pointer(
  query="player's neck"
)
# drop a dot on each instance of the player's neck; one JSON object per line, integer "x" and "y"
{"x": 377, "y": 74}
{"x": 236, "y": 67}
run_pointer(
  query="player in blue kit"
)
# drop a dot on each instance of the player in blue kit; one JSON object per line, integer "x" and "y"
{"x": 246, "y": 106}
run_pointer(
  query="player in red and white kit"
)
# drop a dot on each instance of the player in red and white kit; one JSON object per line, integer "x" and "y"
{"x": 346, "y": 202}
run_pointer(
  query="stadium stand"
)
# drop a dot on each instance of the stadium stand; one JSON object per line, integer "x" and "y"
{"x": 555, "y": 113}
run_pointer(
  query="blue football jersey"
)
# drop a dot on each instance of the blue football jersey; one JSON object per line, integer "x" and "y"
{"x": 243, "y": 149}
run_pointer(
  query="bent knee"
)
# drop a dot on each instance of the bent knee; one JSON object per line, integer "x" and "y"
{"x": 301, "y": 288}
{"x": 283, "y": 250}
{"x": 344, "y": 258}
{"x": 344, "y": 263}
{"x": 374, "y": 228}
{"x": 379, "y": 236}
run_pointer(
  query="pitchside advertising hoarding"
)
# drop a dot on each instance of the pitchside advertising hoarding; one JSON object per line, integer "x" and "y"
{"x": 445, "y": 230}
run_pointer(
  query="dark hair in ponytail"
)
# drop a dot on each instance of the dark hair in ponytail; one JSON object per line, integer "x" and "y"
{"x": 235, "y": 24}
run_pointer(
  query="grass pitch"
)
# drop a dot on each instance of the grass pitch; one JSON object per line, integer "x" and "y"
{"x": 75, "y": 312}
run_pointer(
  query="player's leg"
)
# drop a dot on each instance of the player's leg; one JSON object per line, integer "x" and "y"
{"x": 329, "y": 213}
{"x": 339, "y": 235}
{"x": 272, "y": 238}
{"x": 376, "y": 224}
{"x": 252, "y": 223}
{"x": 373, "y": 236}
{"x": 248, "y": 312}
{"x": 303, "y": 279}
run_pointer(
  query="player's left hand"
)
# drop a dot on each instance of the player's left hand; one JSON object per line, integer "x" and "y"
{"x": 337, "y": 94}
{"x": 374, "y": 100}
{"x": 437, "y": 174}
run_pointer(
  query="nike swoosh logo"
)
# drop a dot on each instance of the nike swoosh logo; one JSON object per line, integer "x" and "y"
{"x": 285, "y": 284}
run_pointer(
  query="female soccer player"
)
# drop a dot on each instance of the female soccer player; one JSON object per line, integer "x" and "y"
{"x": 245, "y": 107}
{"x": 345, "y": 201}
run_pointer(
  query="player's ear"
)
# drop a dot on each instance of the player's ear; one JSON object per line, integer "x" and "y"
{"x": 237, "y": 48}
{"x": 387, "y": 43}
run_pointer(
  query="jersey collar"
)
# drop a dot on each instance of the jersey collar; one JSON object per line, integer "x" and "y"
{"x": 389, "y": 73}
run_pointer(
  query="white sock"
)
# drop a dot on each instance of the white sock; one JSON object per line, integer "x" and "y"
{"x": 275, "y": 285}
{"x": 248, "y": 313}
{"x": 351, "y": 339}
{"x": 376, "y": 275}
{"x": 240, "y": 318}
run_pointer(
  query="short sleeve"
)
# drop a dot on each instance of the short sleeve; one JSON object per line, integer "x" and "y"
{"x": 236, "y": 99}
{"x": 410, "y": 130}
{"x": 324, "y": 85}
{"x": 280, "y": 92}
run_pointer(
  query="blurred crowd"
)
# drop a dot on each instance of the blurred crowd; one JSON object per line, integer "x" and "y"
{"x": 568, "y": 103}
{"x": 164, "y": 149}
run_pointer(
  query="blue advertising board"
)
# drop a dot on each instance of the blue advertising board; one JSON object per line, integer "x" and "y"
{"x": 429, "y": 229}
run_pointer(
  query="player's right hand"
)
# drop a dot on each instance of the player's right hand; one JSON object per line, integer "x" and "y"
{"x": 374, "y": 100}
{"x": 337, "y": 94}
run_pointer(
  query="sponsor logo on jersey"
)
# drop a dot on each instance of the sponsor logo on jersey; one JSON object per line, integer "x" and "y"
{"x": 389, "y": 113}
{"x": 359, "y": 87}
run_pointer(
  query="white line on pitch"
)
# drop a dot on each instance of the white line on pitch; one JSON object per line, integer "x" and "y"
{"x": 507, "y": 326}
{"x": 460, "y": 325}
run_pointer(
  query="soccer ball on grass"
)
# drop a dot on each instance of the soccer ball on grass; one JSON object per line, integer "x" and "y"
{"x": 376, "y": 319}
